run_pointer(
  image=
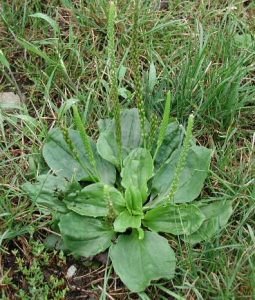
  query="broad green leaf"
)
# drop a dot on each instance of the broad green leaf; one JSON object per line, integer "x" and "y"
{"x": 171, "y": 142}
{"x": 137, "y": 170}
{"x": 59, "y": 157}
{"x": 131, "y": 136}
{"x": 126, "y": 220}
{"x": 107, "y": 145}
{"x": 61, "y": 160}
{"x": 106, "y": 170}
{"x": 134, "y": 201}
{"x": 217, "y": 215}
{"x": 45, "y": 192}
{"x": 191, "y": 179}
{"x": 175, "y": 219}
{"x": 103, "y": 124}
{"x": 85, "y": 236}
{"x": 138, "y": 262}
{"x": 97, "y": 200}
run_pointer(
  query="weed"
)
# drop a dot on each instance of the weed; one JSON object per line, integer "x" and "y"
{"x": 30, "y": 280}
{"x": 203, "y": 52}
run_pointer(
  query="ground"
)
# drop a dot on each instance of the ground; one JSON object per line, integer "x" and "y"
{"x": 203, "y": 51}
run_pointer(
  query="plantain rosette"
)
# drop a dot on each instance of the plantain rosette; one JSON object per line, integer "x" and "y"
{"x": 124, "y": 206}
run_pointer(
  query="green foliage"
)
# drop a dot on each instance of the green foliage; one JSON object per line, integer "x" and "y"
{"x": 209, "y": 68}
{"x": 36, "y": 283}
{"x": 62, "y": 160}
{"x": 96, "y": 200}
{"x": 216, "y": 216}
{"x": 107, "y": 145}
{"x": 85, "y": 139}
{"x": 191, "y": 180}
{"x": 175, "y": 219}
{"x": 172, "y": 140}
{"x": 48, "y": 19}
{"x": 3, "y": 60}
{"x": 126, "y": 220}
{"x": 45, "y": 191}
{"x": 89, "y": 218}
{"x": 85, "y": 236}
{"x": 182, "y": 159}
{"x": 137, "y": 170}
{"x": 153, "y": 130}
{"x": 139, "y": 261}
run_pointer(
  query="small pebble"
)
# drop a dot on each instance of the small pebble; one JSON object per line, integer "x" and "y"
{"x": 71, "y": 272}
{"x": 9, "y": 101}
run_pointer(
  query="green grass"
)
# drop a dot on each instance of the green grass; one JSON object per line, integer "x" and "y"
{"x": 204, "y": 53}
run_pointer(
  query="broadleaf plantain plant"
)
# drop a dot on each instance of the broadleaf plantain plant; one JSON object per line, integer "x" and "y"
{"x": 115, "y": 193}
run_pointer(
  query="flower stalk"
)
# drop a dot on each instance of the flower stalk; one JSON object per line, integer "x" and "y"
{"x": 164, "y": 123}
{"x": 113, "y": 77}
{"x": 85, "y": 138}
{"x": 137, "y": 74}
{"x": 74, "y": 152}
{"x": 182, "y": 159}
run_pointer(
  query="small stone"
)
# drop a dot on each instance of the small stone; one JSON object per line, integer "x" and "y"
{"x": 9, "y": 101}
{"x": 71, "y": 271}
